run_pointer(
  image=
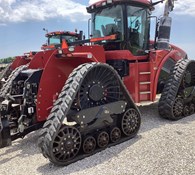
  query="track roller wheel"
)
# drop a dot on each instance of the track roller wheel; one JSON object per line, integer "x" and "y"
{"x": 115, "y": 134}
{"x": 66, "y": 144}
{"x": 178, "y": 107}
{"x": 130, "y": 122}
{"x": 192, "y": 109}
{"x": 89, "y": 144}
{"x": 186, "y": 111}
{"x": 102, "y": 139}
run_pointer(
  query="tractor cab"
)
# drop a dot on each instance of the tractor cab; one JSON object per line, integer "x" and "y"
{"x": 54, "y": 39}
{"x": 129, "y": 20}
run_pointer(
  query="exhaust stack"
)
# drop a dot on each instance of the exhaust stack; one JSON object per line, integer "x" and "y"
{"x": 164, "y": 30}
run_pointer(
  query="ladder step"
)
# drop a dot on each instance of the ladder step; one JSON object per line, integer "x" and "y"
{"x": 145, "y": 92}
{"x": 144, "y": 103}
{"x": 144, "y": 73}
{"x": 147, "y": 82}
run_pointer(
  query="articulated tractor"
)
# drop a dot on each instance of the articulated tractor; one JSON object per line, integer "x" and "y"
{"x": 83, "y": 95}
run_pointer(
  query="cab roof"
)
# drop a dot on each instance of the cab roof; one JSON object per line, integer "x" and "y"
{"x": 102, "y": 3}
{"x": 61, "y": 33}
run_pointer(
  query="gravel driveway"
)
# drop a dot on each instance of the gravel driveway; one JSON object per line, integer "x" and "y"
{"x": 161, "y": 147}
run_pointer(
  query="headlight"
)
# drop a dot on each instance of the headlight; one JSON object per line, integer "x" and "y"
{"x": 71, "y": 49}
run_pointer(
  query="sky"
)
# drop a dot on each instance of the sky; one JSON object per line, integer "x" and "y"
{"x": 22, "y": 23}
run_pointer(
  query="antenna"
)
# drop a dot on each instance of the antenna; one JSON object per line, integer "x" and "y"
{"x": 46, "y": 30}
{"x": 169, "y": 5}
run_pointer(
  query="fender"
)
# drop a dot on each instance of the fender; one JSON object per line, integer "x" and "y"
{"x": 18, "y": 61}
{"x": 56, "y": 72}
{"x": 40, "y": 59}
{"x": 175, "y": 55}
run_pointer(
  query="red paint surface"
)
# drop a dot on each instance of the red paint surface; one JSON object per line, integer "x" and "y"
{"x": 18, "y": 61}
{"x": 40, "y": 59}
{"x": 57, "y": 71}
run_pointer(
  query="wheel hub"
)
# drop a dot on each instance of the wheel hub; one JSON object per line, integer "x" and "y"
{"x": 96, "y": 92}
{"x": 69, "y": 145}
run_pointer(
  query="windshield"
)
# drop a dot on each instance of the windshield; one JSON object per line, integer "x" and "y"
{"x": 57, "y": 39}
{"x": 107, "y": 22}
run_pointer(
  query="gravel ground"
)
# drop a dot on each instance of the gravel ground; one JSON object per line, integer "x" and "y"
{"x": 161, "y": 147}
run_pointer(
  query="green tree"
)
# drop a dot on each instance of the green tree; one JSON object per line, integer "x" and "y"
{"x": 6, "y": 60}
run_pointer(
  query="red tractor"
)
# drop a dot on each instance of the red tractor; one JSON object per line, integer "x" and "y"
{"x": 54, "y": 39}
{"x": 20, "y": 63}
{"x": 84, "y": 96}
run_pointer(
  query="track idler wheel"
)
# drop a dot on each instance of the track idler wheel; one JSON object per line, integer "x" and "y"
{"x": 130, "y": 122}
{"x": 102, "y": 139}
{"x": 89, "y": 144}
{"x": 115, "y": 134}
{"x": 66, "y": 144}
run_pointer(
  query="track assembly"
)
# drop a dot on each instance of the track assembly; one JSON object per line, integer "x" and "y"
{"x": 177, "y": 98}
{"x": 97, "y": 117}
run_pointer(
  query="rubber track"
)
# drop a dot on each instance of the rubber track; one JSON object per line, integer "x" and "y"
{"x": 61, "y": 108}
{"x": 4, "y": 90}
{"x": 171, "y": 88}
{"x": 4, "y": 71}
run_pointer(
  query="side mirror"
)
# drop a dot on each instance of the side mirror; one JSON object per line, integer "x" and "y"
{"x": 89, "y": 28}
{"x": 155, "y": 33}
